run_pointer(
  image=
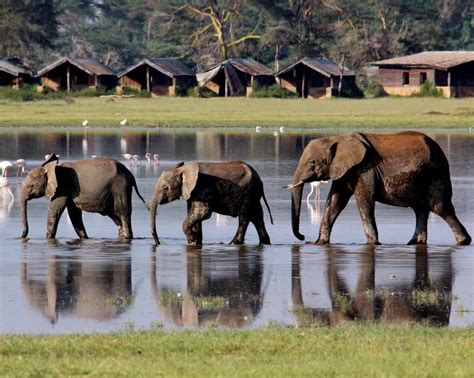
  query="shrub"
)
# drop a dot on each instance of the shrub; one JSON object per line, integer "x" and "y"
{"x": 273, "y": 90}
{"x": 428, "y": 89}
{"x": 200, "y": 91}
{"x": 351, "y": 91}
{"x": 128, "y": 91}
{"x": 373, "y": 89}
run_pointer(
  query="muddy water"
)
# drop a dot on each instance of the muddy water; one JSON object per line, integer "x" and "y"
{"x": 103, "y": 285}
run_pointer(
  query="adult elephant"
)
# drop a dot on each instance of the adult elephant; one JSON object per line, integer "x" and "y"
{"x": 406, "y": 169}
{"x": 99, "y": 185}
{"x": 230, "y": 188}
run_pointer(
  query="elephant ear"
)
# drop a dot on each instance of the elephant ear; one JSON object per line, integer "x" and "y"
{"x": 346, "y": 153}
{"x": 189, "y": 176}
{"x": 52, "y": 185}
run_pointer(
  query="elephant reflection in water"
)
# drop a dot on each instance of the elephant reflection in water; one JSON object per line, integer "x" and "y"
{"x": 423, "y": 299}
{"x": 230, "y": 297}
{"x": 87, "y": 290}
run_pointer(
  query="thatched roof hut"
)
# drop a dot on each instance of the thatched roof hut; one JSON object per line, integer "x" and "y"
{"x": 13, "y": 72}
{"x": 235, "y": 77}
{"x": 314, "y": 77}
{"x": 73, "y": 74}
{"x": 159, "y": 76}
{"x": 450, "y": 71}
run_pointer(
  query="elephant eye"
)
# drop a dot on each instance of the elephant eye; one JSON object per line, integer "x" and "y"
{"x": 165, "y": 187}
{"x": 312, "y": 163}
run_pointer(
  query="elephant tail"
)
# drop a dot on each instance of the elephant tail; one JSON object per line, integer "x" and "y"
{"x": 140, "y": 196}
{"x": 268, "y": 207}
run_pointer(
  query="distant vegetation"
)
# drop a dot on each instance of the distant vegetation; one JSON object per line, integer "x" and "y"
{"x": 204, "y": 32}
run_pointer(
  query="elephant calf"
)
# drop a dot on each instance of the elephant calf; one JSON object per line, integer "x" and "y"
{"x": 406, "y": 169}
{"x": 230, "y": 188}
{"x": 100, "y": 185}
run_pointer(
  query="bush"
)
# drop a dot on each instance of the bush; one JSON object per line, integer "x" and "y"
{"x": 351, "y": 91}
{"x": 273, "y": 90}
{"x": 199, "y": 91}
{"x": 373, "y": 89}
{"x": 93, "y": 92}
{"x": 128, "y": 91}
{"x": 428, "y": 89}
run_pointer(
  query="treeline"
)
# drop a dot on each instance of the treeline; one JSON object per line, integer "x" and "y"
{"x": 203, "y": 32}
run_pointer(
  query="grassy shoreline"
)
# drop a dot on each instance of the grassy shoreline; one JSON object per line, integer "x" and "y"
{"x": 353, "y": 349}
{"x": 382, "y": 113}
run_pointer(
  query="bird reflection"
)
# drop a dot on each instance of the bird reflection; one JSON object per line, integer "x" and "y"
{"x": 86, "y": 289}
{"x": 6, "y": 198}
{"x": 231, "y": 297}
{"x": 425, "y": 298}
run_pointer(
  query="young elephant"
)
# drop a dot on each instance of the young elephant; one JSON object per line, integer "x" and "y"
{"x": 100, "y": 185}
{"x": 407, "y": 169}
{"x": 229, "y": 188}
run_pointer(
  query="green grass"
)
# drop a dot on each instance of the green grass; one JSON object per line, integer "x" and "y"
{"x": 390, "y": 113}
{"x": 350, "y": 350}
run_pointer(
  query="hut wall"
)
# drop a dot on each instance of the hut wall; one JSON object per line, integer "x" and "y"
{"x": 214, "y": 87}
{"x": 394, "y": 76}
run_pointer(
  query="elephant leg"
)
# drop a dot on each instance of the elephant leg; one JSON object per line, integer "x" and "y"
{"x": 366, "y": 207}
{"x": 118, "y": 222}
{"x": 198, "y": 212}
{"x": 421, "y": 230}
{"x": 241, "y": 230}
{"x": 75, "y": 214}
{"x": 55, "y": 210}
{"x": 123, "y": 210}
{"x": 257, "y": 220}
{"x": 446, "y": 211}
{"x": 336, "y": 202}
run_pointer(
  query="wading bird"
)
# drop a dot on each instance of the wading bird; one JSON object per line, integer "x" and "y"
{"x": 5, "y": 165}
{"x": 21, "y": 164}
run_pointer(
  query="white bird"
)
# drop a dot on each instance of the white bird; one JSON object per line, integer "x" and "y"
{"x": 46, "y": 157}
{"x": 124, "y": 122}
{"x": 282, "y": 129}
{"x": 148, "y": 157}
{"x": 21, "y": 164}
{"x": 127, "y": 156}
{"x": 5, "y": 165}
{"x": 156, "y": 158}
{"x": 258, "y": 129}
{"x": 275, "y": 133}
{"x": 136, "y": 159}
{"x": 94, "y": 156}
{"x": 315, "y": 187}
{"x": 5, "y": 188}
{"x": 85, "y": 123}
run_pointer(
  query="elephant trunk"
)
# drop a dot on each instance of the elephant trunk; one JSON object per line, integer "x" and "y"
{"x": 157, "y": 196}
{"x": 296, "y": 194}
{"x": 24, "y": 216}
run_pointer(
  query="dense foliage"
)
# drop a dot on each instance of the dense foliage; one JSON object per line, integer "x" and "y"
{"x": 203, "y": 32}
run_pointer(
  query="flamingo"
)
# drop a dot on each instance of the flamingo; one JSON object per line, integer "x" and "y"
{"x": 21, "y": 164}
{"x": 315, "y": 187}
{"x": 5, "y": 165}
{"x": 136, "y": 159}
{"x": 148, "y": 157}
{"x": 127, "y": 156}
{"x": 282, "y": 129}
{"x": 85, "y": 123}
{"x": 275, "y": 133}
{"x": 46, "y": 157}
{"x": 258, "y": 129}
{"x": 156, "y": 158}
{"x": 124, "y": 122}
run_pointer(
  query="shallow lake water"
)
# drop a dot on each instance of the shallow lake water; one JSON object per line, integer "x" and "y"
{"x": 103, "y": 285}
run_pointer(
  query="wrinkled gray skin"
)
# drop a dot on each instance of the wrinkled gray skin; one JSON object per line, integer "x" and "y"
{"x": 100, "y": 185}
{"x": 229, "y": 188}
{"x": 407, "y": 169}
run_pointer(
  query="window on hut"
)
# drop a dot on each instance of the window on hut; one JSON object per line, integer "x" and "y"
{"x": 422, "y": 77}
{"x": 406, "y": 78}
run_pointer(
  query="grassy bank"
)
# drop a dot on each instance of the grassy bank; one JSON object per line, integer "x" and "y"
{"x": 349, "y": 350}
{"x": 394, "y": 113}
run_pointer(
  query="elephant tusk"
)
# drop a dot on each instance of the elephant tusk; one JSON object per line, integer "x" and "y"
{"x": 291, "y": 186}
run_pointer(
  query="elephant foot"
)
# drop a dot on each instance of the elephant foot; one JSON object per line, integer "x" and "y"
{"x": 415, "y": 241}
{"x": 321, "y": 241}
{"x": 238, "y": 242}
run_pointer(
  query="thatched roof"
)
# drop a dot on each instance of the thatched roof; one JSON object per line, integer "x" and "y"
{"x": 171, "y": 67}
{"x": 441, "y": 60}
{"x": 14, "y": 66}
{"x": 90, "y": 65}
{"x": 324, "y": 66}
